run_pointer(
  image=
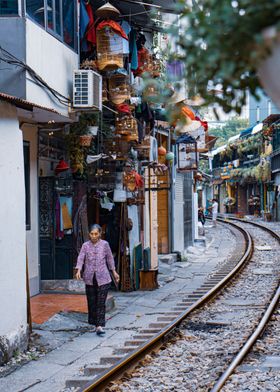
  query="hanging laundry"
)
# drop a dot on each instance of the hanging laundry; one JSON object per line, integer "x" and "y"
{"x": 90, "y": 34}
{"x": 133, "y": 50}
{"x": 114, "y": 26}
{"x": 127, "y": 29}
{"x": 84, "y": 19}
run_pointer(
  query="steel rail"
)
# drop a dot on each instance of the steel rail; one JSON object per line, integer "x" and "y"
{"x": 131, "y": 359}
{"x": 261, "y": 326}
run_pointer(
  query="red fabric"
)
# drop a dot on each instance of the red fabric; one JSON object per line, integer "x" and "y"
{"x": 114, "y": 25}
{"x": 123, "y": 108}
{"x": 203, "y": 123}
{"x": 142, "y": 55}
{"x": 90, "y": 34}
{"x": 138, "y": 179}
{"x": 188, "y": 112}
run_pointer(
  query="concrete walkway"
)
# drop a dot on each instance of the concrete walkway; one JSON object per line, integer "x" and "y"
{"x": 72, "y": 346}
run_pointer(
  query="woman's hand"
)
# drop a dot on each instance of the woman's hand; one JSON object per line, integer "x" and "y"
{"x": 78, "y": 274}
{"x": 116, "y": 276}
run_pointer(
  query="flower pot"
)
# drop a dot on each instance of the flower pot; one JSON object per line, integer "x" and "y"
{"x": 268, "y": 71}
{"x": 85, "y": 140}
{"x": 93, "y": 129}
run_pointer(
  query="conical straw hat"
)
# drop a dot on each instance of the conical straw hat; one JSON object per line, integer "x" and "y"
{"x": 177, "y": 97}
{"x": 107, "y": 11}
{"x": 195, "y": 101}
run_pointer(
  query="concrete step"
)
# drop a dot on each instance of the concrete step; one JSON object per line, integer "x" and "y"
{"x": 150, "y": 331}
{"x": 144, "y": 337}
{"x": 133, "y": 343}
{"x": 124, "y": 350}
{"x": 110, "y": 360}
{"x": 78, "y": 382}
{"x": 158, "y": 325}
{"x": 95, "y": 370}
{"x": 166, "y": 318}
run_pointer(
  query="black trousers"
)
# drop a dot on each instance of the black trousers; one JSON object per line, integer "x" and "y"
{"x": 96, "y": 299}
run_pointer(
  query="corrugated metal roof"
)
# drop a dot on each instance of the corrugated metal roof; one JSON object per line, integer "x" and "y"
{"x": 22, "y": 103}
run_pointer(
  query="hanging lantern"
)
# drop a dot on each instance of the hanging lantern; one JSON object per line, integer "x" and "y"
{"x": 187, "y": 153}
{"x": 161, "y": 151}
{"x": 61, "y": 166}
{"x": 169, "y": 156}
{"x": 109, "y": 45}
{"x": 119, "y": 88}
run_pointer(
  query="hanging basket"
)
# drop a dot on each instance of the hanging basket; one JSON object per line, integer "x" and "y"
{"x": 109, "y": 49}
{"x": 85, "y": 140}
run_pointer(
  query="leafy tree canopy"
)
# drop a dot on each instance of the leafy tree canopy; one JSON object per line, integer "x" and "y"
{"x": 232, "y": 127}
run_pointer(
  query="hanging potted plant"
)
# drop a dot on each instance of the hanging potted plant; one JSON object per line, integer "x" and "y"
{"x": 225, "y": 51}
{"x": 79, "y": 141}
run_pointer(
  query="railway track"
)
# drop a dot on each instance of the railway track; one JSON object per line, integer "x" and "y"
{"x": 273, "y": 305}
{"x": 171, "y": 325}
{"x": 98, "y": 377}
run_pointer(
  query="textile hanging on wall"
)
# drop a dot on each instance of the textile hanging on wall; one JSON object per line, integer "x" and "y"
{"x": 81, "y": 224}
{"x": 65, "y": 212}
{"x": 67, "y": 222}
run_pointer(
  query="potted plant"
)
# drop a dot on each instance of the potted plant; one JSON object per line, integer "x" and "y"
{"x": 225, "y": 51}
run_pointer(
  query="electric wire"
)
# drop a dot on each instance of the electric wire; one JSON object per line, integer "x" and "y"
{"x": 9, "y": 58}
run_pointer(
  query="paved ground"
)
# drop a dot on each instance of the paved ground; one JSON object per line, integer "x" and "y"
{"x": 72, "y": 345}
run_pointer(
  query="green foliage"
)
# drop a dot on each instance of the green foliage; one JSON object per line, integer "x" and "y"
{"x": 261, "y": 172}
{"x": 77, "y": 153}
{"x": 232, "y": 127}
{"x": 222, "y": 46}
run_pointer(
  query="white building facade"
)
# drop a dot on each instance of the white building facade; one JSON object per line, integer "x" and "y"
{"x": 38, "y": 53}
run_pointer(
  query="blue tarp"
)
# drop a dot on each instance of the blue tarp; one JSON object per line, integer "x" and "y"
{"x": 246, "y": 132}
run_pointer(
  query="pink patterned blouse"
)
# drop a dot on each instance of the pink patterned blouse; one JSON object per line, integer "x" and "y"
{"x": 97, "y": 259}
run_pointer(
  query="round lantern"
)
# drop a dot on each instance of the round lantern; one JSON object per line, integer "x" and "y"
{"x": 169, "y": 156}
{"x": 161, "y": 151}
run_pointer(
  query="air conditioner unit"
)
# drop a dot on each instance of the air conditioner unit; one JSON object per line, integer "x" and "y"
{"x": 87, "y": 89}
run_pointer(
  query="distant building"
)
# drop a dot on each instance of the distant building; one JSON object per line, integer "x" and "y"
{"x": 258, "y": 110}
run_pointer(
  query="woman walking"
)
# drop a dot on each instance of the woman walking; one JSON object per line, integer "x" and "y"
{"x": 96, "y": 259}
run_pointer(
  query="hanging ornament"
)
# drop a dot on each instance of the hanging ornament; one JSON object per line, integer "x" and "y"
{"x": 169, "y": 156}
{"x": 161, "y": 150}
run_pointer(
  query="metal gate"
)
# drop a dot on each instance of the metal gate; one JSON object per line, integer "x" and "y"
{"x": 56, "y": 256}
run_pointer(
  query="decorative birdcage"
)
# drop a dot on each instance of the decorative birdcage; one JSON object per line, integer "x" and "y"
{"x": 127, "y": 126}
{"x": 117, "y": 147}
{"x": 105, "y": 97}
{"x": 187, "y": 153}
{"x": 119, "y": 88}
{"x": 153, "y": 66}
{"x": 109, "y": 46}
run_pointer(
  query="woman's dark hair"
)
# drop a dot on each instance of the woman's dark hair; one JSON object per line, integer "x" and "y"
{"x": 95, "y": 226}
